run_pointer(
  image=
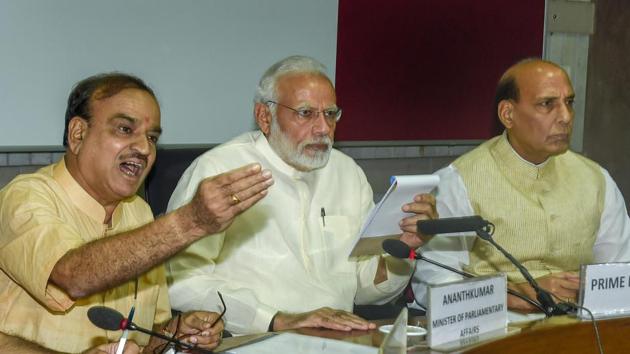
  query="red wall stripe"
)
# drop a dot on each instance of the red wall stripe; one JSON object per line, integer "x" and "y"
{"x": 427, "y": 69}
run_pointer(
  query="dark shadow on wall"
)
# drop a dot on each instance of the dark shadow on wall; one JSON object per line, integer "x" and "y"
{"x": 169, "y": 166}
{"x": 607, "y": 118}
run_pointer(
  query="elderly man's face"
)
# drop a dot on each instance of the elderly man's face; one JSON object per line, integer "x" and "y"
{"x": 539, "y": 124}
{"x": 305, "y": 145}
{"x": 116, "y": 149}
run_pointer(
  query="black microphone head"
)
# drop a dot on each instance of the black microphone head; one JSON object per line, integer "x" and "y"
{"x": 396, "y": 248}
{"x": 450, "y": 225}
{"x": 105, "y": 318}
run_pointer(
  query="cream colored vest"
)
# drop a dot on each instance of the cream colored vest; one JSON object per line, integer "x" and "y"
{"x": 546, "y": 216}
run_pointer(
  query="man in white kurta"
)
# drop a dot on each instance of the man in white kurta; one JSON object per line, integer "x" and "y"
{"x": 552, "y": 209}
{"x": 284, "y": 262}
{"x": 282, "y": 254}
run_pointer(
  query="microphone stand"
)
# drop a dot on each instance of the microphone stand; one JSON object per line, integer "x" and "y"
{"x": 550, "y": 308}
{"x": 457, "y": 271}
{"x": 133, "y": 327}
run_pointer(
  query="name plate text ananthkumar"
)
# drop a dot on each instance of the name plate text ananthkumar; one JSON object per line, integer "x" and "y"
{"x": 466, "y": 308}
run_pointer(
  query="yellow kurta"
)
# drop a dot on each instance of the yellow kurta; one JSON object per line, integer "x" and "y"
{"x": 547, "y": 216}
{"x": 43, "y": 216}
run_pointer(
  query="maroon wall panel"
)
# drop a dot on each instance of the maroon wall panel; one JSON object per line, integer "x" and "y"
{"x": 427, "y": 69}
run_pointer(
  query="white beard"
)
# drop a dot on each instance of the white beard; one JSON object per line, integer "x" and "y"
{"x": 294, "y": 155}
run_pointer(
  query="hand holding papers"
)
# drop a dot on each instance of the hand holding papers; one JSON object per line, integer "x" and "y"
{"x": 382, "y": 222}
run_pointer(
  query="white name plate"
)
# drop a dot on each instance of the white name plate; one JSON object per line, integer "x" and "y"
{"x": 605, "y": 289}
{"x": 466, "y": 308}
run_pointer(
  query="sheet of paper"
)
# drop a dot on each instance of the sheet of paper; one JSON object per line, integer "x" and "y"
{"x": 236, "y": 341}
{"x": 298, "y": 343}
{"x": 382, "y": 222}
{"x": 395, "y": 341}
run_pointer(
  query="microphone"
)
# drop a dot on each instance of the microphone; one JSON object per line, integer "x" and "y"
{"x": 112, "y": 320}
{"x": 449, "y": 225}
{"x": 106, "y": 318}
{"x": 400, "y": 249}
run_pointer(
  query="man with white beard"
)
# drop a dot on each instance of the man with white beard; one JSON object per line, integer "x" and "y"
{"x": 284, "y": 263}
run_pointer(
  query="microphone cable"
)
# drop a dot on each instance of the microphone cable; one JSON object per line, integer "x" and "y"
{"x": 568, "y": 306}
{"x": 399, "y": 249}
{"x": 469, "y": 275}
{"x": 168, "y": 345}
{"x": 509, "y": 291}
{"x": 544, "y": 296}
{"x": 572, "y": 307}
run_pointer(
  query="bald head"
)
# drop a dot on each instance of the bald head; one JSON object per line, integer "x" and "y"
{"x": 508, "y": 88}
{"x": 534, "y": 102}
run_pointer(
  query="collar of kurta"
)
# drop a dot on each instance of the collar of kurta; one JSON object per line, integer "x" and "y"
{"x": 513, "y": 164}
{"x": 80, "y": 197}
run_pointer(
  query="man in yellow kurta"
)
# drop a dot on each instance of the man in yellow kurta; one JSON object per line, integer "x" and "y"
{"x": 74, "y": 234}
{"x": 553, "y": 209}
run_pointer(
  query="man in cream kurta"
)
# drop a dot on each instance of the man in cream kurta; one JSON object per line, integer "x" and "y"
{"x": 552, "y": 209}
{"x": 543, "y": 222}
{"x": 284, "y": 262}
{"x": 282, "y": 254}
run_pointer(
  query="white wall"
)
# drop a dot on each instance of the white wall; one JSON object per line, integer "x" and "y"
{"x": 202, "y": 57}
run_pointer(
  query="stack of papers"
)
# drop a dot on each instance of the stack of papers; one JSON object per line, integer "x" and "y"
{"x": 382, "y": 222}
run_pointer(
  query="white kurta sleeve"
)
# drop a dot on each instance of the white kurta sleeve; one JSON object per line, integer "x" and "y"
{"x": 613, "y": 237}
{"x": 193, "y": 283}
{"x": 452, "y": 201}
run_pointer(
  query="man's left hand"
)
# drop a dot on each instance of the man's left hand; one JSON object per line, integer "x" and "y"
{"x": 423, "y": 206}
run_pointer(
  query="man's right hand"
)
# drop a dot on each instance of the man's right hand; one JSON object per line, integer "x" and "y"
{"x": 110, "y": 348}
{"x": 221, "y": 198}
{"x": 324, "y": 317}
{"x": 564, "y": 285}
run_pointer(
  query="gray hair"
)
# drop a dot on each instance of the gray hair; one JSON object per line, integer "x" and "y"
{"x": 296, "y": 64}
